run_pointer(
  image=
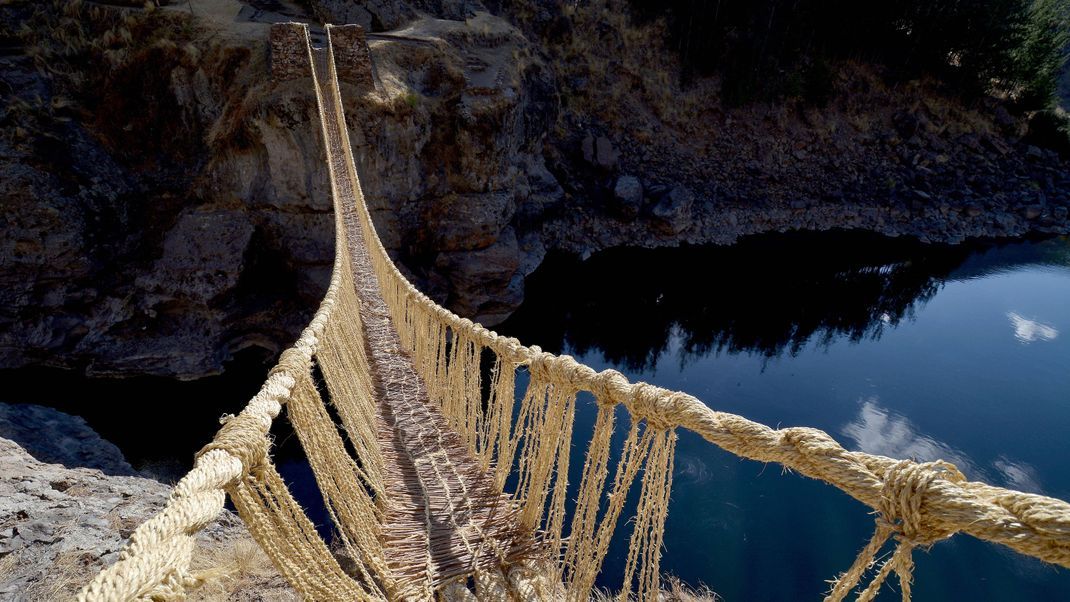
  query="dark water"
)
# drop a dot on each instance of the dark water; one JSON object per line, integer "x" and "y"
{"x": 893, "y": 347}
{"x": 118, "y": 409}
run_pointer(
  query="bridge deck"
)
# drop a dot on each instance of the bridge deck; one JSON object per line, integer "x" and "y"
{"x": 444, "y": 516}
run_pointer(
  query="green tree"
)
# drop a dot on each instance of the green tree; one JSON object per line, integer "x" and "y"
{"x": 1042, "y": 53}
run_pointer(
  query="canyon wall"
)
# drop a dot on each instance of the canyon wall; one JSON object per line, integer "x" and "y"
{"x": 165, "y": 200}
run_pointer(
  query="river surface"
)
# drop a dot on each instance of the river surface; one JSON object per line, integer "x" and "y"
{"x": 893, "y": 347}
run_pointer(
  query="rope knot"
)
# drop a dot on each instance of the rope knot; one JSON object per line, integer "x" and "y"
{"x": 604, "y": 385}
{"x": 659, "y": 407}
{"x": 541, "y": 364}
{"x": 512, "y": 347}
{"x": 572, "y": 371}
{"x": 243, "y": 439}
{"x": 906, "y": 485}
{"x": 292, "y": 362}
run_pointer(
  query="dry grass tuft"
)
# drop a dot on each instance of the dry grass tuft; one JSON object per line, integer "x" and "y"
{"x": 62, "y": 580}
{"x": 8, "y": 564}
{"x": 674, "y": 591}
{"x": 626, "y": 67}
{"x": 235, "y": 567}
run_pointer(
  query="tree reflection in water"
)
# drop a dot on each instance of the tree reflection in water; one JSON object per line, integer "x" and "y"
{"x": 766, "y": 295}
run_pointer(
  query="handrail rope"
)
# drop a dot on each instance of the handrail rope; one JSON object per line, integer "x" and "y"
{"x": 158, "y": 553}
{"x": 939, "y": 501}
{"x": 1031, "y": 524}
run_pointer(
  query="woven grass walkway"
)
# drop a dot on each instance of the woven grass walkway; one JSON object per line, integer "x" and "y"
{"x": 445, "y": 517}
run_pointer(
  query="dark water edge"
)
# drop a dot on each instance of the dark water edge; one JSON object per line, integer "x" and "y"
{"x": 768, "y": 294}
{"x": 594, "y": 317}
{"x": 798, "y": 285}
{"x": 651, "y": 314}
{"x": 185, "y": 412}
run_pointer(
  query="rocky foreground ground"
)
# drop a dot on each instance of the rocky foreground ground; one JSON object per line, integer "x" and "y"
{"x": 59, "y": 524}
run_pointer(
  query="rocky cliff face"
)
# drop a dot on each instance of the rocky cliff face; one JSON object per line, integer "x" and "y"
{"x": 162, "y": 238}
{"x": 165, "y": 203}
{"x": 54, "y": 437}
{"x": 457, "y": 156}
{"x": 647, "y": 159}
{"x": 159, "y": 212}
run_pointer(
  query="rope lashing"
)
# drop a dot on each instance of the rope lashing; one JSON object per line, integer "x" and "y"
{"x": 902, "y": 515}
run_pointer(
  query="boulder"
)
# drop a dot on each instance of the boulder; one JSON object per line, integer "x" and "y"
{"x": 55, "y": 437}
{"x": 540, "y": 193}
{"x": 600, "y": 152}
{"x": 628, "y": 191}
{"x": 672, "y": 214}
{"x": 605, "y": 154}
{"x": 587, "y": 149}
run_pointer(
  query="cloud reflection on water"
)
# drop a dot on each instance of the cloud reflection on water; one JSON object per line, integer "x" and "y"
{"x": 877, "y": 430}
{"x": 1018, "y": 475}
{"x": 1028, "y": 331}
{"x": 692, "y": 469}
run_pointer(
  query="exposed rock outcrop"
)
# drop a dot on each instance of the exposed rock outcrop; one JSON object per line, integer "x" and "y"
{"x": 905, "y": 158}
{"x": 382, "y": 15}
{"x": 453, "y": 151}
{"x": 165, "y": 253}
{"x": 153, "y": 238}
{"x": 54, "y": 437}
{"x": 59, "y": 526}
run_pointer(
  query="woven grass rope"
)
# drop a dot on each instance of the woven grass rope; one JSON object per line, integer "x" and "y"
{"x": 445, "y": 479}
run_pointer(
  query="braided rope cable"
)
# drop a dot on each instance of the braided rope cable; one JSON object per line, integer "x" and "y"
{"x": 154, "y": 563}
{"x": 1031, "y": 524}
{"x": 917, "y": 503}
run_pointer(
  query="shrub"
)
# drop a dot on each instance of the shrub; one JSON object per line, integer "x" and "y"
{"x": 1050, "y": 129}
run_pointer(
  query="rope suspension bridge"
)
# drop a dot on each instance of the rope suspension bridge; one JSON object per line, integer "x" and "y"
{"x": 447, "y": 477}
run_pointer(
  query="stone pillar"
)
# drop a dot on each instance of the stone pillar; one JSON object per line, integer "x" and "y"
{"x": 352, "y": 59}
{"x": 289, "y": 51}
